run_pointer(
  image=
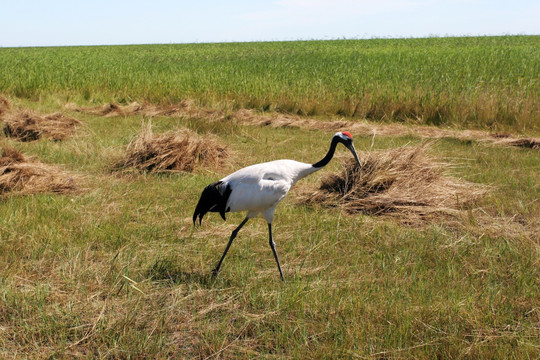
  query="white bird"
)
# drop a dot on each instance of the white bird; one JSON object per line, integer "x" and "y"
{"x": 259, "y": 188}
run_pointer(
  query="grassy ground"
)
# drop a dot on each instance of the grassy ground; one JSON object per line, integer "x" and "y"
{"x": 118, "y": 270}
{"x": 481, "y": 82}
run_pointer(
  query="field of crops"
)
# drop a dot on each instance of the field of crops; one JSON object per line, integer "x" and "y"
{"x": 490, "y": 83}
{"x": 99, "y": 257}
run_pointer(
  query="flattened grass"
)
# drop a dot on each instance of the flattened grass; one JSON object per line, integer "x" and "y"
{"x": 188, "y": 108}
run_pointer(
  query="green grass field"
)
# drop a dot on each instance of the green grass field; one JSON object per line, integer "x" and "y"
{"x": 485, "y": 82}
{"x": 117, "y": 270}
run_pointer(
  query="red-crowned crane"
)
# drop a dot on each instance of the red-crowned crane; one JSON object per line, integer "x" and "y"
{"x": 258, "y": 189}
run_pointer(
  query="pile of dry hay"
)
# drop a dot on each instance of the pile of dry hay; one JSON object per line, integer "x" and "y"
{"x": 181, "y": 150}
{"x": 404, "y": 182}
{"x": 26, "y": 125}
{"x": 21, "y": 175}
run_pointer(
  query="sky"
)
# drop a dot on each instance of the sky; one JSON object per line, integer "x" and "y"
{"x": 112, "y": 22}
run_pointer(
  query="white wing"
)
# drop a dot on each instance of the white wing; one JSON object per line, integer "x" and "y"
{"x": 262, "y": 186}
{"x": 256, "y": 196}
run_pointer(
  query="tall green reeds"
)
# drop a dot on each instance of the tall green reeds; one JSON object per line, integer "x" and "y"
{"x": 483, "y": 82}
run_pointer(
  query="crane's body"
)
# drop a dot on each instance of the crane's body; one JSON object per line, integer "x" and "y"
{"x": 259, "y": 188}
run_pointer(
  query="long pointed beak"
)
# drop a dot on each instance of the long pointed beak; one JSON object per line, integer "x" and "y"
{"x": 350, "y": 146}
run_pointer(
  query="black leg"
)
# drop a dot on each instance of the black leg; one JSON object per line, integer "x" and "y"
{"x": 273, "y": 246}
{"x": 233, "y": 235}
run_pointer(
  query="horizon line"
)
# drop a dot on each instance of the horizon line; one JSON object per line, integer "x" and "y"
{"x": 430, "y": 36}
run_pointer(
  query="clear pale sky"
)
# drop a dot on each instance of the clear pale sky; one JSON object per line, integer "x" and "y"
{"x": 99, "y": 22}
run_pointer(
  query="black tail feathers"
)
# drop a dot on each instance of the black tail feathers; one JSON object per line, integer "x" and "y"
{"x": 213, "y": 198}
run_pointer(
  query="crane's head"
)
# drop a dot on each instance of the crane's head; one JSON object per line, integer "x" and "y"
{"x": 345, "y": 138}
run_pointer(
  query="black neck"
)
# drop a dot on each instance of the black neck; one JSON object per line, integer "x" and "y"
{"x": 329, "y": 155}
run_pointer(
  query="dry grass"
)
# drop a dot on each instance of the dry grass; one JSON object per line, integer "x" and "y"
{"x": 22, "y": 175}
{"x": 369, "y": 129}
{"x": 115, "y": 109}
{"x": 26, "y": 125}
{"x": 530, "y": 143}
{"x": 405, "y": 182}
{"x": 251, "y": 117}
{"x": 181, "y": 150}
{"x": 5, "y": 105}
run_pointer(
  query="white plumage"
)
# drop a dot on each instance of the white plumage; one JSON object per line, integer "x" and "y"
{"x": 259, "y": 188}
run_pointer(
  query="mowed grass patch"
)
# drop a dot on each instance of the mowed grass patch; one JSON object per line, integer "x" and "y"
{"x": 190, "y": 109}
{"x": 119, "y": 270}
